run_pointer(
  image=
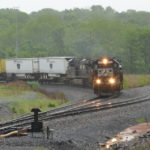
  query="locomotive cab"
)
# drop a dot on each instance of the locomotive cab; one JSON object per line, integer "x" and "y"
{"x": 107, "y": 76}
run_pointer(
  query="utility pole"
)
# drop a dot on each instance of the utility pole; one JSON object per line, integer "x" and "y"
{"x": 17, "y": 40}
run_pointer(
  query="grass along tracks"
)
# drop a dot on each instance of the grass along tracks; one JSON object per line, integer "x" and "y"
{"x": 75, "y": 109}
{"x": 66, "y": 108}
{"x": 20, "y": 97}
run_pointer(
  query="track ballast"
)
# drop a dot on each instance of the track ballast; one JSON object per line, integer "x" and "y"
{"x": 81, "y": 107}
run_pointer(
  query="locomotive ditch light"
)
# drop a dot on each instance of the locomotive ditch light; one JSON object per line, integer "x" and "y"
{"x": 112, "y": 81}
{"x": 107, "y": 146}
{"x": 98, "y": 104}
{"x": 98, "y": 81}
{"x": 114, "y": 140}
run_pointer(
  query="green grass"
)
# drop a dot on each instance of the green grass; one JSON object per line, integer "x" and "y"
{"x": 20, "y": 107}
{"x": 33, "y": 85}
{"x": 140, "y": 120}
{"x": 39, "y": 148}
{"x": 6, "y": 90}
{"x": 18, "y": 88}
{"x": 142, "y": 147}
{"x": 133, "y": 81}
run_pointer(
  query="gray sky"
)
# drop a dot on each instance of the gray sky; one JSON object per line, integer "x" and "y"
{"x": 35, "y": 5}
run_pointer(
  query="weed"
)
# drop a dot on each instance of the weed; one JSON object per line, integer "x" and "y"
{"x": 39, "y": 148}
{"x": 133, "y": 81}
{"x": 11, "y": 91}
{"x": 142, "y": 147}
{"x": 20, "y": 107}
{"x": 33, "y": 85}
{"x": 140, "y": 120}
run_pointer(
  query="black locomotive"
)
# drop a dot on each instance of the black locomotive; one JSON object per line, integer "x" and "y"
{"x": 107, "y": 76}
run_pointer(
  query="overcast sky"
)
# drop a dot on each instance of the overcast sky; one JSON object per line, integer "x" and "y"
{"x": 35, "y": 5}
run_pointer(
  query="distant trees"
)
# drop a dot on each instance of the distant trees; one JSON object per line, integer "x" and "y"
{"x": 138, "y": 47}
{"x": 92, "y": 33}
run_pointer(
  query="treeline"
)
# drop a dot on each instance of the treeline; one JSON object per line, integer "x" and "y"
{"x": 89, "y": 33}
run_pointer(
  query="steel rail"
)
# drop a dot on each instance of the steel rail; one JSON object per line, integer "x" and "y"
{"x": 89, "y": 107}
{"x": 63, "y": 108}
{"x": 26, "y": 117}
{"x": 79, "y": 104}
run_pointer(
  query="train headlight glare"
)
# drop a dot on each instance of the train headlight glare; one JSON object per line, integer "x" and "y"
{"x": 114, "y": 140}
{"x": 112, "y": 81}
{"x": 105, "y": 61}
{"x": 98, "y": 81}
{"x": 107, "y": 146}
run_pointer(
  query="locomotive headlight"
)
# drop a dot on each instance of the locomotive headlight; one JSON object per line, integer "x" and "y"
{"x": 98, "y": 81}
{"x": 112, "y": 81}
{"x": 107, "y": 146}
{"x": 105, "y": 61}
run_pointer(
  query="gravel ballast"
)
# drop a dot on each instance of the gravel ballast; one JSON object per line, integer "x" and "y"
{"x": 86, "y": 130}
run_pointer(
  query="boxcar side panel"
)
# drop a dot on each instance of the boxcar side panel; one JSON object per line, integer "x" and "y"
{"x": 18, "y": 66}
{"x": 53, "y": 65}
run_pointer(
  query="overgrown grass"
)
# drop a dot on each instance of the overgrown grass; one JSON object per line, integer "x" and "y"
{"x": 6, "y": 90}
{"x": 17, "y": 88}
{"x": 39, "y": 148}
{"x": 20, "y": 107}
{"x": 142, "y": 147}
{"x": 140, "y": 120}
{"x": 33, "y": 85}
{"x": 132, "y": 81}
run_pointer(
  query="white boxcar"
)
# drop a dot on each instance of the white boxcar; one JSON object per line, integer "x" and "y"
{"x": 54, "y": 66}
{"x": 22, "y": 66}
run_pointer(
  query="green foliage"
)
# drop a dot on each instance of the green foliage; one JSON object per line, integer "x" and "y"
{"x": 126, "y": 84}
{"x": 7, "y": 91}
{"x": 39, "y": 148}
{"x": 145, "y": 146}
{"x": 33, "y": 85}
{"x": 92, "y": 33}
{"x": 20, "y": 107}
{"x": 132, "y": 81}
{"x": 22, "y": 97}
{"x": 140, "y": 120}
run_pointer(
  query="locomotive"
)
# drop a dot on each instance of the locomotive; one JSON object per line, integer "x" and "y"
{"x": 107, "y": 76}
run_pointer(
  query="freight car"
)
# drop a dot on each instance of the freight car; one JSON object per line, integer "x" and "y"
{"x": 107, "y": 76}
{"x": 46, "y": 68}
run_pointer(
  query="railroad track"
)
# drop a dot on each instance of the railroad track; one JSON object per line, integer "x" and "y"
{"x": 27, "y": 119}
{"x": 86, "y": 106}
{"x": 69, "y": 107}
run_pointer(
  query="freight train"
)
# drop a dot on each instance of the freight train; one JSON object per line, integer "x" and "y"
{"x": 104, "y": 75}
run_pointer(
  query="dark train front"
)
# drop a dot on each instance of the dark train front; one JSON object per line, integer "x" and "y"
{"x": 107, "y": 77}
